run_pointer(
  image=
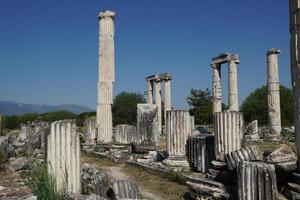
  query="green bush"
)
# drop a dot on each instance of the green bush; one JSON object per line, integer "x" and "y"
{"x": 43, "y": 184}
{"x": 176, "y": 176}
{"x": 255, "y": 106}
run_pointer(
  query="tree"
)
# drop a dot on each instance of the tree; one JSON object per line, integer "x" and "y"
{"x": 255, "y": 106}
{"x": 124, "y": 108}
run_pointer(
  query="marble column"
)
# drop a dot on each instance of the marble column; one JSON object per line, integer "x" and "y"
{"x": 178, "y": 129}
{"x": 232, "y": 82}
{"x": 295, "y": 66}
{"x": 168, "y": 105}
{"x": 216, "y": 88}
{"x": 273, "y": 93}
{"x": 158, "y": 102}
{"x": 106, "y": 77}
{"x": 63, "y": 155}
{"x": 150, "y": 92}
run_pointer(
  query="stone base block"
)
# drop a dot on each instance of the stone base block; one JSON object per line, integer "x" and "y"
{"x": 254, "y": 137}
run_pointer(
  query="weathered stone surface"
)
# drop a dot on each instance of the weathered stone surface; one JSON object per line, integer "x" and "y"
{"x": 251, "y": 131}
{"x": 232, "y": 60}
{"x": 203, "y": 188}
{"x": 251, "y": 153}
{"x": 93, "y": 181}
{"x": 273, "y": 92}
{"x": 147, "y": 124}
{"x": 18, "y": 164}
{"x": 106, "y": 76}
{"x": 256, "y": 180}
{"x": 89, "y": 130}
{"x": 124, "y": 134}
{"x": 200, "y": 151}
{"x": 4, "y": 149}
{"x": 178, "y": 126}
{"x": 63, "y": 154}
{"x": 229, "y": 132}
{"x": 123, "y": 189}
{"x": 283, "y": 157}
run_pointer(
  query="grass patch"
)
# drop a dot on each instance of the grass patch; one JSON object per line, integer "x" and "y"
{"x": 43, "y": 185}
{"x": 99, "y": 162}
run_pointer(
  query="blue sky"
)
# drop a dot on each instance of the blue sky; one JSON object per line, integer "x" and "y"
{"x": 49, "y": 48}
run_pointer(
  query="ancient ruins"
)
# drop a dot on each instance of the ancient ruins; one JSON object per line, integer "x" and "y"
{"x": 227, "y": 160}
{"x": 106, "y": 76}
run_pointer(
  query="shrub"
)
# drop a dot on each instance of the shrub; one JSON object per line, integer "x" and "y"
{"x": 43, "y": 184}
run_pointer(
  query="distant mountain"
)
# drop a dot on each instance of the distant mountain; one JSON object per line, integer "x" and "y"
{"x": 12, "y": 108}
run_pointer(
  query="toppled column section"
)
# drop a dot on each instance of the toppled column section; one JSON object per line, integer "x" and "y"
{"x": 147, "y": 124}
{"x": 256, "y": 180}
{"x": 63, "y": 154}
{"x": 229, "y": 131}
{"x": 200, "y": 151}
{"x": 251, "y": 153}
{"x": 123, "y": 189}
{"x": 273, "y": 94}
{"x": 124, "y": 134}
{"x": 89, "y": 127}
{"x": 178, "y": 128}
{"x": 106, "y": 76}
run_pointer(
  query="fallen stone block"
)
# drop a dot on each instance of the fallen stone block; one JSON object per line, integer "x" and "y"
{"x": 251, "y": 153}
{"x": 123, "y": 189}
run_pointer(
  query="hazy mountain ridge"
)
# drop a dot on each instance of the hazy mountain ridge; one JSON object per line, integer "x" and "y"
{"x": 13, "y": 108}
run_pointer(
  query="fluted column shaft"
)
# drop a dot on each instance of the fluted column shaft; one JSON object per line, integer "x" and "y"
{"x": 158, "y": 103}
{"x": 232, "y": 85}
{"x": 216, "y": 88}
{"x": 106, "y": 76}
{"x": 273, "y": 92}
{"x": 150, "y": 92}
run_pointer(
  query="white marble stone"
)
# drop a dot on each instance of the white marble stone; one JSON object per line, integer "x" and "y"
{"x": 229, "y": 132}
{"x": 147, "y": 124}
{"x": 89, "y": 130}
{"x": 106, "y": 76}
{"x": 63, "y": 155}
{"x": 124, "y": 134}
{"x": 273, "y": 92}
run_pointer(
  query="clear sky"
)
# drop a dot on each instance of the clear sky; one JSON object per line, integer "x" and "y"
{"x": 49, "y": 48}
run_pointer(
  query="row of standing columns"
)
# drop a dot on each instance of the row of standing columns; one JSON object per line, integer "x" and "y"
{"x": 154, "y": 85}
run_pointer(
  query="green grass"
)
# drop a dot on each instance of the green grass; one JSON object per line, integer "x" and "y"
{"x": 176, "y": 176}
{"x": 43, "y": 185}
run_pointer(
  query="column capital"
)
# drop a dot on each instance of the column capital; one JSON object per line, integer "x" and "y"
{"x": 106, "y": 14}
{"x": 165, "y": 76}
{"x": 273, "y": 51}
{"x": 234, "y": 58}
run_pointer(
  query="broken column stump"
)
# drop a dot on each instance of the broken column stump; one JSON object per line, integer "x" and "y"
{"x": 229, "y": 131}
{"x": 256, "y": 180}
{"x": 200, "y": 151}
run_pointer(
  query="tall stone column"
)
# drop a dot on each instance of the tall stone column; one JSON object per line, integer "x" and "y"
{"x": 106, "y": 76}
{"x": 168, "y": 105}
{"x": 232, "y": 82}
{"x": 216, "y": 88}
{"x": 158, "y": 102}
{"x": 150, "y": 92}
{"x": 295, "y": 66}
{"x": 273, "y": 93}
{"x": 178, "y": 129}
